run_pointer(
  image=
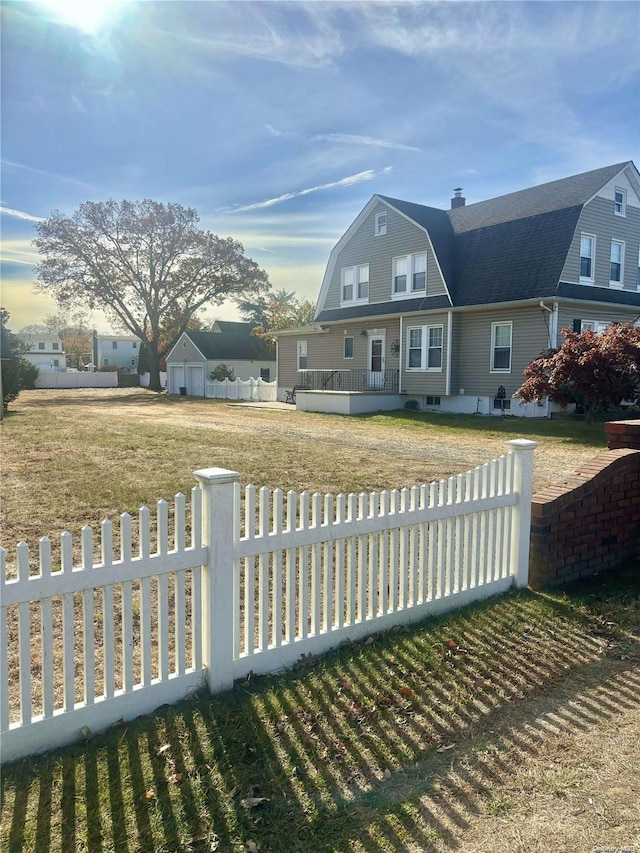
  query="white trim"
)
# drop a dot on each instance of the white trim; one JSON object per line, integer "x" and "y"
{"x": 447, "y": 390}
{"x": 182, "y": 336}
{"x": 494, "y": 326}
{"x": 587, "y": 279}
{"x": 381, "y": 230}
{"x": 299, "y": 354}
{"x": 355, "y": 300}
{"x": 623, "y": 203}
{"x": 353, "y": 347}
{"x": 425, "y": 347}
{"x": 410, "y": 259}
{"x": 613, "y": 283}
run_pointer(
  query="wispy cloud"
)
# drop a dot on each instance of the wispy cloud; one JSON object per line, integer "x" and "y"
{"x": 352, "y": 139}
{"x": 19, "y": 252}
{"x": 272, "y": 130}
{"x": 349, "y": 181}
{"x": 12, "y": 164}
{"x": 19, "y": 214}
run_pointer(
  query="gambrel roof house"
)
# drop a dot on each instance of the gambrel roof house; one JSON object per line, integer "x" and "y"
{"x": 445, "y": 308}
{"x": 196, "y": 354}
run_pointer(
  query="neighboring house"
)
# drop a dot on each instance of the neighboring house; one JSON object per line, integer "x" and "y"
{"x": 197, "y": 354}
{"x": 443, "y": 309}
{"x": 120, "y": 351}
{"x": 45, "y": 351}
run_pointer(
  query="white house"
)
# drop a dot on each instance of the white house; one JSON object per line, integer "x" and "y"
{"x": 120, "y": 351}
{"x": 45, "y": 351}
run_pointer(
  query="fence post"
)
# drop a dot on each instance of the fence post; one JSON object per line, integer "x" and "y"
{"x": 218, "y": 528}
{"x": 522, "y": 450}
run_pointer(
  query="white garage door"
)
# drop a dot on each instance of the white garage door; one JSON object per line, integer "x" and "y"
{"x": 176, "y": 378}
{"x": 195, "y": 381}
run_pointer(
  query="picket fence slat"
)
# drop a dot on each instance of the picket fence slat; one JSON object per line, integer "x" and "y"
{"x": 273, "y": 578}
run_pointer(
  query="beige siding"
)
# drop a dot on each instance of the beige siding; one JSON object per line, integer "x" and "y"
{"x": 599, "y": 220}
{"x": 472, "y": 343}
{"x": 425, "y": 381}
{"x": 604, "y": 314}
{"x": 402, "y": 237}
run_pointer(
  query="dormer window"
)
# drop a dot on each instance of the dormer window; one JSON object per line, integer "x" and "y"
{"x": 355, "y": 283}
{"x": 587, "y": 254}
{"x": 381, "y": 224}
{"x": 620, "y": 202}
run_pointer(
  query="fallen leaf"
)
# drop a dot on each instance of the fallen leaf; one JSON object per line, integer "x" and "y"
{"x": 150, "y": 795}
{"x": 252, "y": 802}
{"x": 177, "y": 777}
{"x": 387, "y": 773}
{"x": 251, "y": 847}
{"x": 451, "y": 643}
{"x": 163, "y": 749}
{"x": 346, "y": 684}
{"x": 406, "y": 691}
{"x": 231, "y": 794}
{"x": 445, "y": 747}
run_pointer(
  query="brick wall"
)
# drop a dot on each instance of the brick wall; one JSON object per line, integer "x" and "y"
{"x": 590, "y": 522}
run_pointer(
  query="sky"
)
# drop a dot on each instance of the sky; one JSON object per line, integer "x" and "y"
{"x": 277, "y": 121}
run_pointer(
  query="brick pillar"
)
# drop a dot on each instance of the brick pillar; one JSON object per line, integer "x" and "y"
{"x": 623, "y": 434}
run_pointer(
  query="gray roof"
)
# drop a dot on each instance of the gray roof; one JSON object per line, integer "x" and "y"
{"x": 377, "y": 309}
{"x": 512, "y": 247}
{"x": 217, "y": 346}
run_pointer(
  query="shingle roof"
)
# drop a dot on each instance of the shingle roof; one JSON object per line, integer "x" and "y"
{"x": 232, "y": 346}
{"x": 544, "y": 198}
{"x": 376, "y": 309}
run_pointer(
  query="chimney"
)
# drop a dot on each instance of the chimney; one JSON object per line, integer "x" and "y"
{"x": 458, "y": 200}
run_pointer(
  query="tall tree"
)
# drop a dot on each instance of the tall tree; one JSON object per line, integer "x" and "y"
{"x": 145, "y": 264}
{"x": 283, "y": 310}
{"x": 590, "y": 369}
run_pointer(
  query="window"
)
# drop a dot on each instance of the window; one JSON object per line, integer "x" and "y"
{"x": 105, "y": 361}
{"x": 56, "y": 346}
{"x": 265, "y": 374}
{"x": 620, "y": 202}
{"x": 56, "y": 362}
{"x": 501, "y": 403}
{"x": 399, "y": 275}
{"x": 410, "y": 274}
{"x": 134, "y": 345}
{"x": 616, "y": 269}
{"x": 424, "y": 348}
{"x": 40, "y": 346}
{"x": 381, "y": 224}
{"x": 432, "y": 400}
{"x": 348, "y": 347}
{"x": 355, "y": 283}
{"x": 501, "y": 334}
{"x": 302, "y": 355}
{"x": 587, "y": 252}
{"x": 597, "y": 326}
{"x": 114, "y": 344}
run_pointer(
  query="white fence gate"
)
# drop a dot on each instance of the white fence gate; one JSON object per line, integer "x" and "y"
{"x": 256, "y": 390}
{"x": 265, "y": 579}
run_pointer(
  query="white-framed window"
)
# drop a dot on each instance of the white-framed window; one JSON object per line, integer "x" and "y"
{"x": 432, "y": 400}
{"x": 105, "y": 361}
{"x": 302, "y": 355}
{"x": 40, "y": 346}
{"x": 348, "y": 347}
{"x": 355, "y": 283}
{"x": 501, "y": 338}
{"x": 596, "y": 326}
{"x": 381, "y": 224}
{"x": 616, "y": 266}
{"x": 587, "y": 256}
{"x": 56, "y": 362}
{"x": 114, "y": 344}
{"x": 620, "y": 202}
{"x": 55, "y": 345}
{"x": 424, "y": 347}
{"x": 409, "y": 274}
{"x": 134, "y": 345}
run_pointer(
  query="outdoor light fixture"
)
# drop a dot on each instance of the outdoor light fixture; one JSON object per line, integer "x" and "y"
{"x": 363, "y": 333}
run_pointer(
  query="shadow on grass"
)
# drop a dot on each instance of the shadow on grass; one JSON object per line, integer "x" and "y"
{"x": 378, "y": 746}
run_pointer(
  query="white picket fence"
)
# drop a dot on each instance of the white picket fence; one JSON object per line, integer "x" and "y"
{"x": 266, "y": 578}
{"x": 256, "y": 390}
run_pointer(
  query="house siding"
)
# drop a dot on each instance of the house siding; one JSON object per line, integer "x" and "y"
{"x": 597, "y": 218}
{"x": 425, "y": 381}
{"x": 402, "y": 238}
{"x": 185, "y": 351}
{"x": 472, "y": 342}
{"x": 603, "y": 314}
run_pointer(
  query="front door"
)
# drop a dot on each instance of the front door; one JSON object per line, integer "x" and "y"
{"x": 376, "y": 361}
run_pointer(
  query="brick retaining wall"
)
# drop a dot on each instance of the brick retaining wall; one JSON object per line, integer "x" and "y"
{"x": 591, "y": 521}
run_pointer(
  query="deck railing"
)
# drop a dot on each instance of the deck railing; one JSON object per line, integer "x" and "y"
{"x": 348, "y": 380}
